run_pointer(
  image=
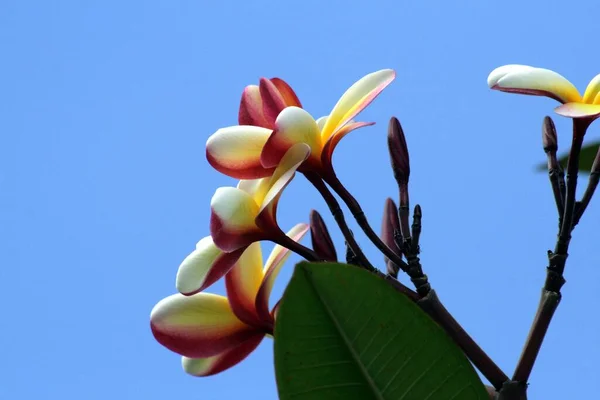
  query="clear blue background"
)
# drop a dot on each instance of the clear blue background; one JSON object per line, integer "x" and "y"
{"x": 105, "y": 107}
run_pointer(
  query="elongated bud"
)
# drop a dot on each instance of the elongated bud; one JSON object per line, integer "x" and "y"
{"x": 321, "y": 240}
{"x": 549, "y": 138}
{"x": 398, "y": 151}
{"x": 389, "y": 224}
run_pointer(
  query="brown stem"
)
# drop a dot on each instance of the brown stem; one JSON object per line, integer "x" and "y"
{"x": 432, "y": 305}
{"x": 589, "y": 191}
{"x": 557, "y": 259}
{"x": 361, "y": 219}
{"x": 437, "y": 311}
{"x": 297, "y": 248}
{"x": 548, "y": 304}
{"x": 338, "y": 215}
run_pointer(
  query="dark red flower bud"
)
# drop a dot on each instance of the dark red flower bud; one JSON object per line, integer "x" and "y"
{"x": 321, "y": 240}
{"x": 398, "y": 151}
{"x": 549, "y": 138}
{"x": 390, "y": 224}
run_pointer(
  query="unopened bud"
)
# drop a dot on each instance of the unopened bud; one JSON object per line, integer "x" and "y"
{"x": 398, "y": 151}
{"x": 390, "y": 224}
{"x": 321, "y": 240}
{"x": 549, "y": 138}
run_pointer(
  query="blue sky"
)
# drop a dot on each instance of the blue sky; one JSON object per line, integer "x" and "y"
{"x": 105, "y": 107}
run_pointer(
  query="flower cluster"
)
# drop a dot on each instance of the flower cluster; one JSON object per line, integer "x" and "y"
{"x": 275, "y": 139}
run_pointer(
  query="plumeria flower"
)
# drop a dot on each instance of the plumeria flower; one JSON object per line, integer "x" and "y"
{"x": 214, "y": 332}
{"x": 248, "y": 212}
{"x": 250, "y": 152}
{"x": 543, "y": 82}
{"x": 260, "y": 105}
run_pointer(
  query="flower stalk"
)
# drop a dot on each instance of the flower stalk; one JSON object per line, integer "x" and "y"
{"x": 551, "y": 295}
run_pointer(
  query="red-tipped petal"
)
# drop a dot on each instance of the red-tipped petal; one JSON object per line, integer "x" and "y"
{"x": 579, "y": 110}
{"x": 242, "y": 283}
{"x": 202, "y": 325}
{"x": 204, "y": 266}
{"x": 251, "y": 112}
{"x": 222, "y": 361}
{"x": 356, "y": 99}
{"x": 286, "y": 91}
{"x": 294, "y": 125}
{"x": 236, "y": 150}
{"x": 332, "y": 142}
{"x": 272, "y": 267}
{"x": 272, "y": 101}
{"x": 232, "y": 220}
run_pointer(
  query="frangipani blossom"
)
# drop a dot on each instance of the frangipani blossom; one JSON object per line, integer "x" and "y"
{"x": 260, "y": 105}
{"x": 248, "y": 213}
{"x": 524, "y": 79}
{"x": 247, "y": 152}
{"x": 214, "y": 332}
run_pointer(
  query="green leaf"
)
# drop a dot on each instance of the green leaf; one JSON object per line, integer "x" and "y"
{"x": 344, "y": 333}
{"x": 586, "y": 158}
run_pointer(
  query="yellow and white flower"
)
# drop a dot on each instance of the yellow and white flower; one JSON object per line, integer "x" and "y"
{"x": 524, "y": 79}
{"x": 214, "y": 332}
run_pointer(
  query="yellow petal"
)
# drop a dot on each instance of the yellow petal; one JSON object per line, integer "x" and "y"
{"x": 285, "y": 171}
{"x": 257, "y": 188}
{"x": 356, "y": 98}
{"x": 272, "y": 267}
{"x": 524, "y": 79}
{"x": 321, "y": 122}
{"x": 592, "y": 90}
{"x": 338, "y": 135}
{"x": 242, "y": 283}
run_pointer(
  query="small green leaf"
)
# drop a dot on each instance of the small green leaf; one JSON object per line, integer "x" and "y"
{"x": 344, "y": 333}
{"x": 586, "y": 158}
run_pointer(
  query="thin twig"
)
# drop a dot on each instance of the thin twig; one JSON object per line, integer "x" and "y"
{"x": 557, "y": 259}
{"x": 361, "y": 219}
{"x": 338, "y": 215}
{"x": 589, "y": 191}
{"x": 297, "y": 248}
{"x": 432, "y": 305}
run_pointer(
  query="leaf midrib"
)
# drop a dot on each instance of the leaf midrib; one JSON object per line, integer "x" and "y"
{"x": 336, "y": 323}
